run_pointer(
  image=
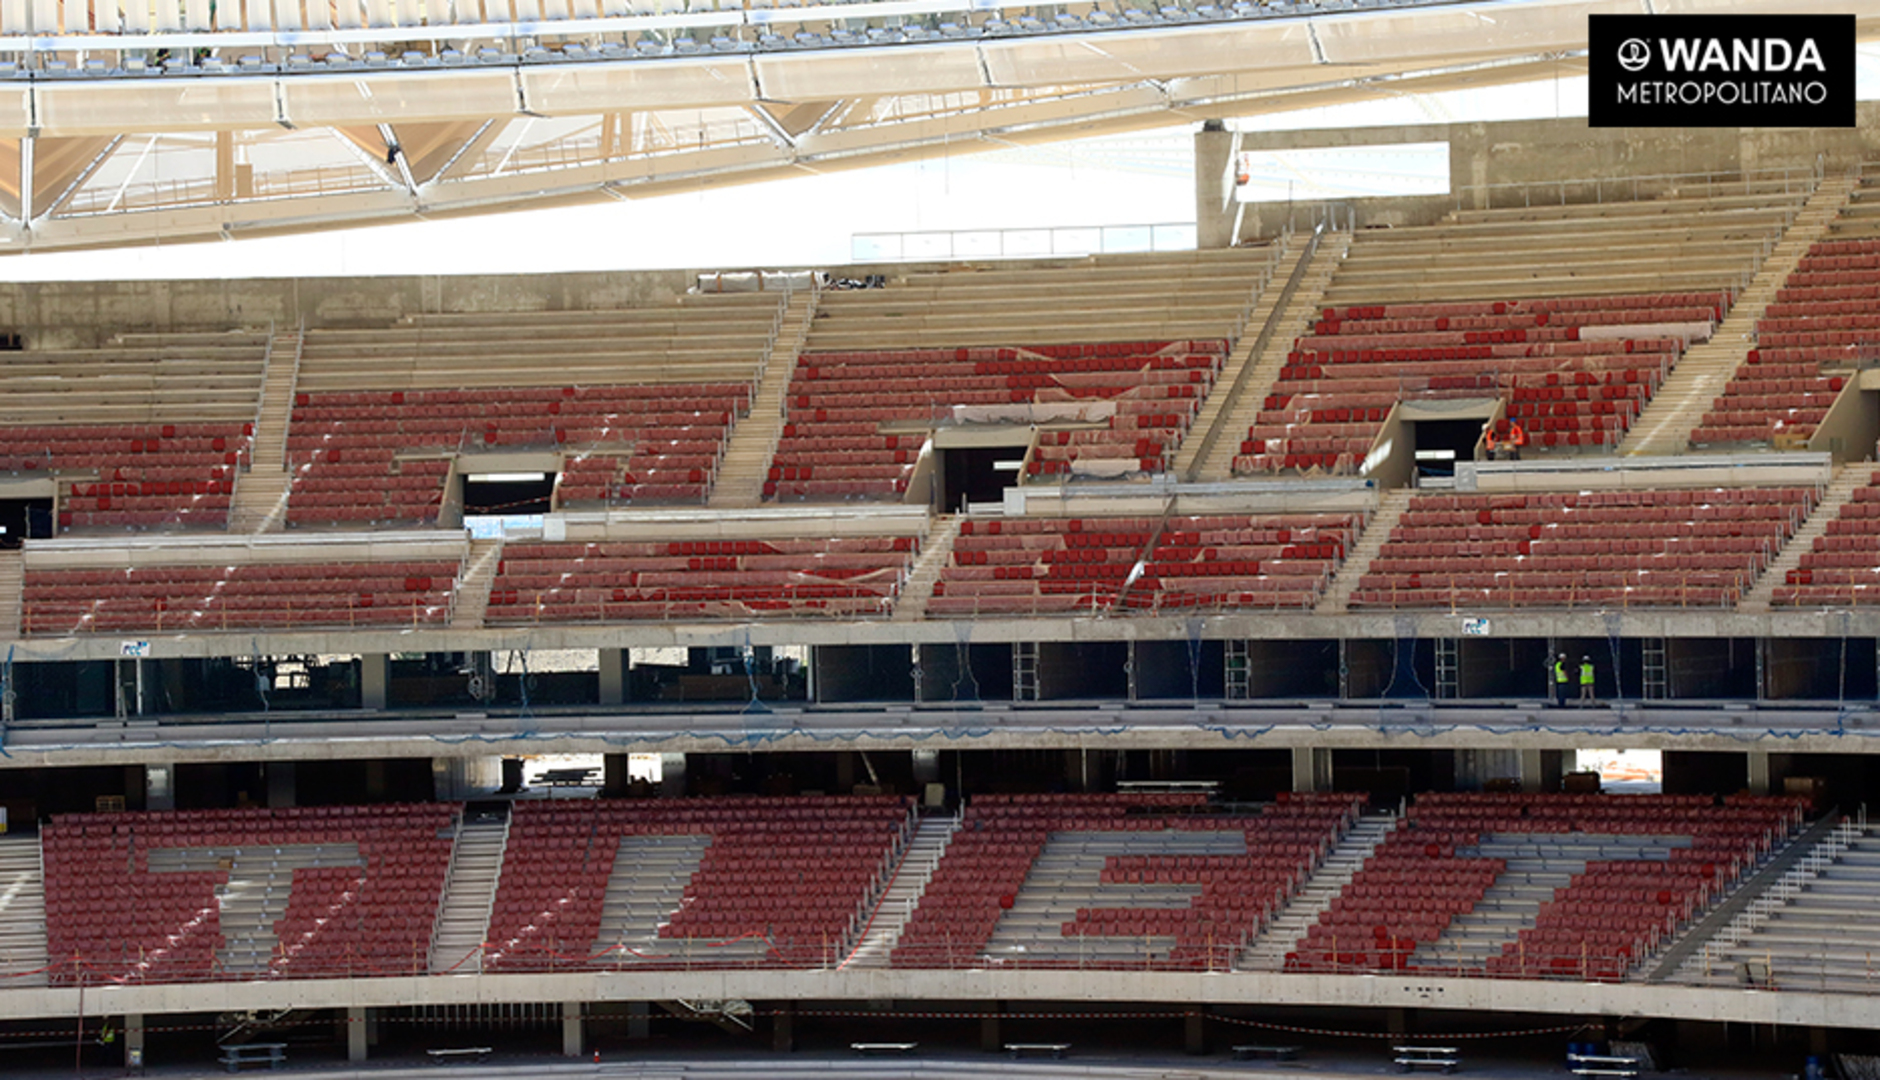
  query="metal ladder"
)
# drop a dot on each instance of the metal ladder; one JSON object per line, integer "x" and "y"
{"x": 1448, "y": 668}
{"x": 1025, "y": 671}
{"x": 1655, "y": 670}
{"x": 1239, "y": 670}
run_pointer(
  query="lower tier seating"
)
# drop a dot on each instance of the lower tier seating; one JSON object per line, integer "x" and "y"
{"x": 1000, "y": 895}
{"x": 1843, "y": 569}
{"x": 1574, "y": 371}
{"x": 1671, "y": 548}
{"x": 150, "y": 896}
{"x": 1809, "y": 343}
{"x": 133, "y": 475}
{"x": 780, "y": 882}
{"x": 601, "y": 582}
{"x": 1110, "y": 409}
{"x": 1608, "y": 913}
{"x": 243, "y": 597}
{"x": 382, "y": 456}
{"x": 1068, "y": 565}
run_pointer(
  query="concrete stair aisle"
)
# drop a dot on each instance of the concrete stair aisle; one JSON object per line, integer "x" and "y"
{"x": 740, "y": 479}
{"x": 1298, "y": 315}
{"x": 904, "y": 891}
{"x": 646, "y": 887}
{"x": 12, "y": 581}
{"x": 1267, "y": 951}
{"x": 472, "y": 601}
{"x": 1358, "y": 559}
{"x": 22, "y": 912}
{"x": 936, "y": 550}
{"x": 260, "y": 880}
{"x": 1847, "y": 477}
{"x": 1702, "y": 372}
{"x": 1210, "y": 413}
{"x": 260, "y": 500}
{"x": 463, "y": 912}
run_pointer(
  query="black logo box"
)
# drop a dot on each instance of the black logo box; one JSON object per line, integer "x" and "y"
{"x": 1649, "y": 95}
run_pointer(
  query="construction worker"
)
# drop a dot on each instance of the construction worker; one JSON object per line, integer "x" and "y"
{"x": 1488, "y": 442}
{"x": 1560, "y": 679}
{"x": 1586, "y": 681}
{"x": 1517, "y": 438}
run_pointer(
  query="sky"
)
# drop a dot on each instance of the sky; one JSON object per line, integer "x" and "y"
{"x": 1144, "y": 179}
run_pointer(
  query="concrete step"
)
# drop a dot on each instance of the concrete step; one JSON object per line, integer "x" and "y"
{"x": 472, "y": 597}
{"x": 1377, "y": 531}
{"x": 936, "y": 551}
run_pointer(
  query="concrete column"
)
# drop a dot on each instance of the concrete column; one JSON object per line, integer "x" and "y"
{"x": 672, "y": 776}
{"x": 280, "y": 775}
{"x": 375, "y": 680}
{"x": 160, "y": 787}
{"x": 1311, "y": 768}
{"x": 1540, "y": 770}
{"x": 783, "y": 1029}
{"x": 1399, "y": 1021}
{"x": 375, "y": 781}
{"x": 639, "y": 1020}
{"x": 1758, "y": 773}
{"x": 355, "y": 1033}
{"x": 845, "y": 771}
{"x": 990, "y": 1039}
{"x": 572, "y": 1043}
{"x": 613, "y": 677}
{"x": 1195, "y": 1031}
{"x": 1214, "y": 186}
{"x": 133, "y": 1028}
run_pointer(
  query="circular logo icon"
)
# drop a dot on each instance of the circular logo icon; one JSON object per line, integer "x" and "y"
{"x": 1634, "y": 54}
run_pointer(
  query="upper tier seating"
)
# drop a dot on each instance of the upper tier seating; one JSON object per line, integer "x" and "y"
{"x": 637, "y": 402}
{"x": 857, "y": 421}
{"x": 608, "y": 581}
{"x": 240, "y": 597}
{"x": 1190, "y": 294}
{"x": 1609, "y": 549}
{"x": 1843, "y": 569}
{"x": 1808, "y": 345}
{"x": 992, "y": 873}
{"x": 780, "y": 883}
{"x": 134, "y": 896}
{"x": 1573, "y": 371}
{"x": 1038, "y": 565}
{"x": 148, "y": 431}
{"x": 1611, "y": 912}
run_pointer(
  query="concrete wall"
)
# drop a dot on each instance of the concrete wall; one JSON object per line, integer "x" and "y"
{"x": 1537, "y": 154}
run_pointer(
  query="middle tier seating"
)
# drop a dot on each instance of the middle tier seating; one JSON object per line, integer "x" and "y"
{"x": 1843, "y": 567}
{"x": 780, "y": 883}
{"x": 148, "y": 896}
{"x": 1610, "y": 913}
{"x": 1068, "y": 565}
{"x": 615, "y": 580}
{"x": 67, "y": 600}
{"x": 857, "y": 420}
{"x": 1574, "y": 371}
{"x": 1608, "y": 549}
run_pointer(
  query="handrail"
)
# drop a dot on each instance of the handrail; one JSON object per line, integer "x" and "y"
{"x": 1260, "y": 343}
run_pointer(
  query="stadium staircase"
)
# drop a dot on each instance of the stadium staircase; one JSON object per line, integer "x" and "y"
{"x": 646, "y": 886}
{"x": 260, "y": 500}
{"x": 1300, "y": 310}
{"x": 1811, "y": 927}
{"x": 1241, "y": 360}
{"x": 904, "y": 891}
{"x": 740, "y": 479}
{"x": 1847, "y": 477}
{"x": 1698, "y": 379}
{"x": 463, "y": 913}
{"x": 936, "y": 551}
{"x": 12, "y": 576}
{"x": 1390, "y": 508}
{"x": 1267, "y": 951}
{"x": 472, "y": 598}
{"x": 1537, "y": 864}
{"x": 22, "y": 912}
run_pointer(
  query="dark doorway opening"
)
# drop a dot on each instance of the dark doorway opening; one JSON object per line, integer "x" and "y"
{"x": 24, "y": 519}
{"x": 1441, "y": 443}
{"x": 979, "y": 474}
{"x": 507, "y": 493}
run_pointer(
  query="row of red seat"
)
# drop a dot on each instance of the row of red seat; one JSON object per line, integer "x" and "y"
{"x": 245, "y": 596}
